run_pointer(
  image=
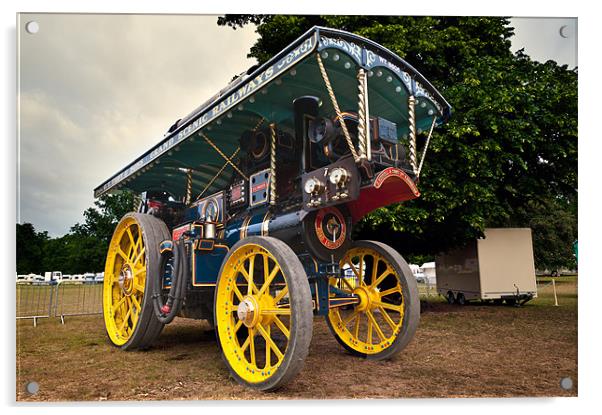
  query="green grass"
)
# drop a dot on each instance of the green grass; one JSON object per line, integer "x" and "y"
{"x": 559, "y": 280}
{"x": 477, "y": 350}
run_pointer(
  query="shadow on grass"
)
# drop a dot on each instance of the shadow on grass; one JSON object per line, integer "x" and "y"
{"x": 186, "y": 335}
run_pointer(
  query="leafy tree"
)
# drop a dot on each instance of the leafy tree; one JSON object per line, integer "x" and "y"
{"x": 30, "y": 248}
{"x": 57, "y": 256}
{"x": 100, "y": 221}
{"x": 509, "y": 149}
{"x": 83, "y": 249}
{"x": 89, "y": 241}
{"x": 554, "y": 228}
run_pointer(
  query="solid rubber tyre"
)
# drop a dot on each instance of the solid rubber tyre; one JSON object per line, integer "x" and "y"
{"x": 410, "y": 303}
{"x": 300, "y": 317}
{"x": 147, "y": 327}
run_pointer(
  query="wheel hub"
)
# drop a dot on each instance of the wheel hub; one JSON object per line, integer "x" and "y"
{"x": 368, "y": 297}
{"x": 248, "y": 311}
{"x": 126, "y": 280}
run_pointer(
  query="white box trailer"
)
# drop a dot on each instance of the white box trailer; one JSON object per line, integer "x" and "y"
{"x": 498, "y": 267}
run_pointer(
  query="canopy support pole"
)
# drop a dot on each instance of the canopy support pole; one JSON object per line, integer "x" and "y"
{"x": 412, "y": 125}
{"x": 426, "y": 146}
{"x": 273, "y": 165}
{"x": 335, "y": 105}
{"x": 363, "y": 114}
{"x": 188, "y": 186}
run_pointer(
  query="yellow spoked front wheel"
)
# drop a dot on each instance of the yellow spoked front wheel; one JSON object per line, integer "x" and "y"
{"x": 133, "y": 255}
{"x": 388, "y": 312}
{"x": 263, "y": 312}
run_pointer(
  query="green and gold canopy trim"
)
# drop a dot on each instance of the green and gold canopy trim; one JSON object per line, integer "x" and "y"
{"x": 267, "y": 94}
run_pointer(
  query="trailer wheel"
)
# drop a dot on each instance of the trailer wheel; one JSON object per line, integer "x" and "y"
{"x": 133, "y": 255}
{"x": 385, "y": 320}
{"x": 450, "y": 297}
{"x": 263, "y": 312}
{"x": 460, "y": 299}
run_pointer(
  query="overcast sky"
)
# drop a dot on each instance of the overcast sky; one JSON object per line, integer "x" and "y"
{"x": 96, "y": 91}
{"x": 542, "y": 39}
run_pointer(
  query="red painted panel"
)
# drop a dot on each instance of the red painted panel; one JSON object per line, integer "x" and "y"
{"x": 177, "y": 232}
{"x": 390, "y": 186}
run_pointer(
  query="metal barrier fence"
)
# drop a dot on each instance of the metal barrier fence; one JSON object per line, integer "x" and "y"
{"x": 36, "y": 301}
{"x": 77, "y": 300}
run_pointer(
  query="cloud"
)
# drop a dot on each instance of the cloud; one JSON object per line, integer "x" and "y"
{"x": 96, "y": 91}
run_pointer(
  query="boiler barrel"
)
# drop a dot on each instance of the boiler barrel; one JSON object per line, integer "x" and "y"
{"x": 283, "y": 226}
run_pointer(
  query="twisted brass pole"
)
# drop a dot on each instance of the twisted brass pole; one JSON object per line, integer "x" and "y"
{"x": 412, "y": 126}
{"x": 426, "y": 146}
{"x": 188, "y": 186}
{"x": 335, "y": 105}
{"x": 273, "y": 165}
{"x": 362, "y": 115}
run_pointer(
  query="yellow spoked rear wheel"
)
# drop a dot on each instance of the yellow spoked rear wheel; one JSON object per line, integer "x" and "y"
{"x": 263, "y": 312}
{"x": 133, "y": 254}
{"x": 386, "y": 318}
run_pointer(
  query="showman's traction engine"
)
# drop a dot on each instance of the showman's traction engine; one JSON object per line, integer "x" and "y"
{"x": 247, "y": 205}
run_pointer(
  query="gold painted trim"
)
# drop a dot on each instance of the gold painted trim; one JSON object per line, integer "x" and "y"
{"x": 265, "y": 148}
{"x": 193, "y": 262}
{"x": 315, "y": 263}
{"x": 206, "y": 249}
{"x": 217, "y": 197}
{"x": 265, "y": 225}
{"x": 215, "y": 200}
{"x": 244, "y": 228}
{"x": 195, "y": 243}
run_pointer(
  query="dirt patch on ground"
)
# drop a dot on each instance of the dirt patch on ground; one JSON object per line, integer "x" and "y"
{"x": 470, "y": 351}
